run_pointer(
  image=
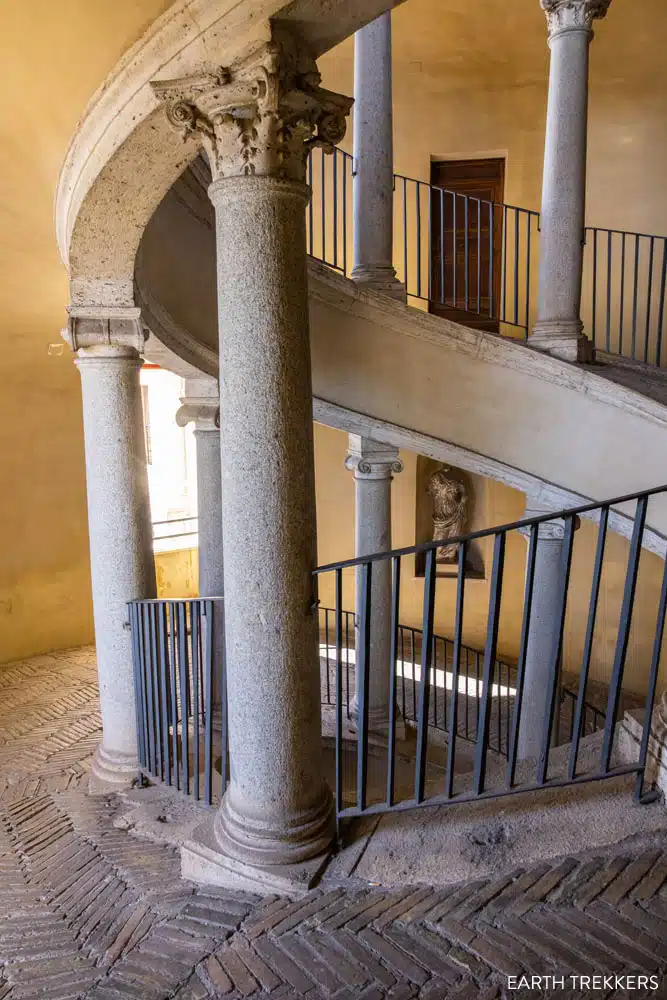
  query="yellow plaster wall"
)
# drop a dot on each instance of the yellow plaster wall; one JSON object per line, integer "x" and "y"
{"x": 54, "y": 55}
{"x": 177, "y": 573}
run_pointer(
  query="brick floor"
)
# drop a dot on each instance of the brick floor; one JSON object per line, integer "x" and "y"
{"x": 88, "y": 910}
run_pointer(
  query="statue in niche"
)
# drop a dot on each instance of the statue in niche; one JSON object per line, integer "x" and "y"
{"x": 450, "y": 510}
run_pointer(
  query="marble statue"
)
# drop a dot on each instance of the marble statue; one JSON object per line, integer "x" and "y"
{"x": 450, "y": 508}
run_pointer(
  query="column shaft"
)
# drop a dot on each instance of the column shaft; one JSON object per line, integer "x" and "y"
{"x": 559, "y": 329}
{"x": 542, "y": 637}
{"x": 373, "y": 188}
{"x": 121, "y": 556}
{"x": 277, "y": 808}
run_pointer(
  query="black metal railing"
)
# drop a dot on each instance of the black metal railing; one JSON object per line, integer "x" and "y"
{"x": 182, "y": 732}
{"x": 436, "y": 782}
{"x": 476, "y": 262}
{"x": 625, "y": 281}
{"x": 175, "y": 527}
{"x": 442, "y": 661}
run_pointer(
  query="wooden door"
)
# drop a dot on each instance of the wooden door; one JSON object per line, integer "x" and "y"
{"x": 466, "y": 241}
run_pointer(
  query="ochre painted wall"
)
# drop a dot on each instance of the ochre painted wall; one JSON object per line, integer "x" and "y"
{"x": 177, "y": 573}
{"x": 54, "y": 55}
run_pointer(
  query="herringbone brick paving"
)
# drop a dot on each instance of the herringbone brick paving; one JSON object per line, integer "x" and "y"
{"x": 88, "y": 910}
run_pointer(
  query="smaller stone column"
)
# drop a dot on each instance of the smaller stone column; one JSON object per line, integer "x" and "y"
{"x": 559, "y": 329}
{"x": 108, "y": 344}
{"x": 373, "y": 465}
{"x": 373, "y": 184}
{"x": 543, "y": 633}
{"x": 201, "y": 406}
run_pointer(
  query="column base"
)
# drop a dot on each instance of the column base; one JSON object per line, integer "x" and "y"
{"x": 202, "y": 861}
{"x": 380, "y": 279}
{"x": 112, "y": 771}
{"x": 562, "y": 339}
{"x": 378, "y": 722}
{"x": 254, "y": 840}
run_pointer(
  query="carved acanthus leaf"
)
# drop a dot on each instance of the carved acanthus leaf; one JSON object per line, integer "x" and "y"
{"x": 567, "y": 14}
{"x": 260, "y": 117}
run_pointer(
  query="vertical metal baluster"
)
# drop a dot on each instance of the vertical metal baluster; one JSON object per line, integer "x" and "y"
{"x": 414, "y": 684}
{"x": 442, "y": 246}
{"x": 650, "y": 694}
{"x": 326, "y": 659}
{"x": 427, "y": 649}
{"x": 454, "y": 248}
{"x": 564, "y": 582}
{"x": 393, "y": 657}
{"x": 224, "y": 722}
{"x": 347, "y": 664}
{"x": 649, "y": 296}
{"x": 466, "y": 245}
{"x": 311, "y": 224}
{"x": 142, "y": 681}
{"x": 335, "y": 208}
{"x": 160, "y": 610}
{"x": 157, "y": 689}
{"x": 609, "y": 282}
{"x": 363, "y": 667}
{"x": 456, "y": 669}
{"x": 625, "y": 623}
{"x": 635, "y": 297}
{"x": 405, "y": 234}
{"x": 580, "y": 707}
{"x": 517, "y": 257}
{"x": 503, "y": 311}
{"x": 484, "y": 710}
{"x": 528, "y": 234}
{"x": 479, "y": 255}
{"x": 467, "y": 701}
{"x": 339, "y": 695}
{"x": 661, "y": 307}
{"x": 173, "y": 684}
{"x": 595, "y": 287}
{"x": 136, "y": 674}
{"x": 429, "y": 231}
{"x": 323, "y": 180}
{"x": 344, "y": 214}
{"x": 194, "y": 659}
{"x": 185, "y": 722}
{"x": 491, "y": 272}
{"x": 419, "y": 241}
{"x": 207, "y": 656}
{"x": 622, "y": 295}
{"x": 150, "y": 696}
{"x": 403, "y": 669}
{"x": 433, "y": 685}
{"x": 498, "y": 715}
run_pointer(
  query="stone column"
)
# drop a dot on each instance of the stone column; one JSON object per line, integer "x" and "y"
{"x": 543, "y": 633}
{"x": 559, "y": 329}
{"x": 373, "y": 465}
{"x": 257, "y": 122}
{"x": 108, "y": 345}
{"x": 201, "y": 406}
{"x": 373, "y": 184}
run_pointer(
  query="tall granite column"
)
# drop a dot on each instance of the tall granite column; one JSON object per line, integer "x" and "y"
{"x": 543, "y": 634}
{"x": 108, "y": 345}
{"x": 373, "y": 179}
{"x": 373, "y": 465}
{"x": 257, "y": 122}
{"x": 559, "y": 329}
{"x": 201, "y": 406}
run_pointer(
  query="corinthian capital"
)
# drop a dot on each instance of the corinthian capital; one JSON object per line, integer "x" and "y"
{"x": 565, "y": 15}
{"x": 261, "y": 116}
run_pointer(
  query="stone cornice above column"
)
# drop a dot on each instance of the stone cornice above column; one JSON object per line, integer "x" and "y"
{"x": 200, "y": 404}
{"x": 370, "y": 459}
{"x": 112, "y": 331}
{"x": 573, "y": 15}
{"x": 260, "y": 117}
